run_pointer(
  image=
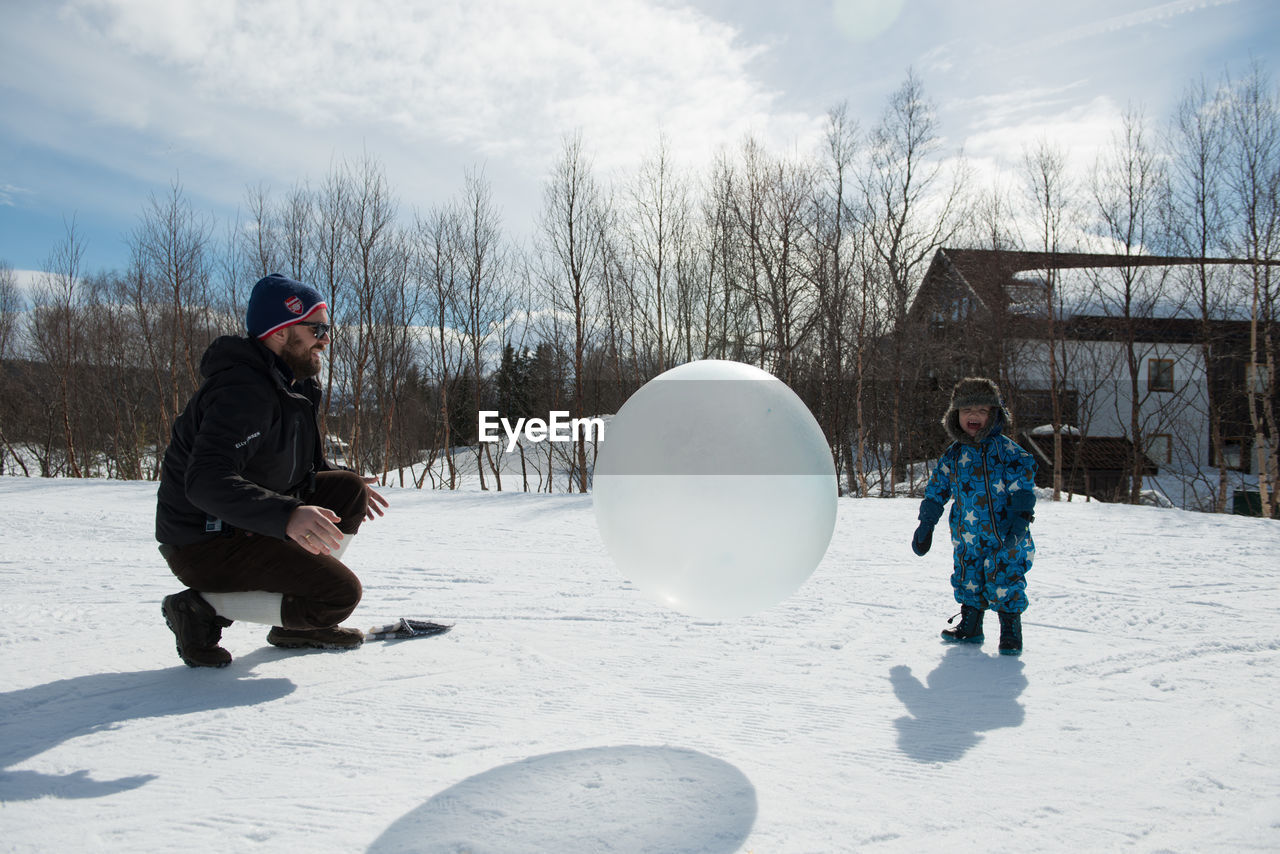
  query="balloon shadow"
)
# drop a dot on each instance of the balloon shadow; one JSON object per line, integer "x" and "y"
{"x": 33, "y": 720}
{"x": 631, "y": 798}
{"x": 966, "y": 694}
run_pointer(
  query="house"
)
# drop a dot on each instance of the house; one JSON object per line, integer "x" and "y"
{"x": 1112, "y": 330}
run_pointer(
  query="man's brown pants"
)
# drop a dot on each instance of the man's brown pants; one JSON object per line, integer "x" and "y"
{"x": 319, "y": 591}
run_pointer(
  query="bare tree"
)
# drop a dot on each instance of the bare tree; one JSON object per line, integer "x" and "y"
{"x": 296, "y": 224}
{"x": 572, "y": 235}
{"x": 392, "y": 352}
{"x": 117, "y": 399}
{"x": 331, "y": 260}
{"x": 484, "y": 299}
{"x": 12, "y": 306}
{"x": 832, "y": 269}
{"x": 57, "y": 335}
{"x": 1197, "y": 144}
{"x": 1126, "y": 187}
{"x": 718, "y": 316}
{"x": 1051, "y": 193}
{"x": 656, "y": 229}
{"x": 770, "y": 206}
{"x": 909, "y": 208}
{"x": 439, "y": 245}
{"x": 169, "y": 288}
{"x": 1254, "y": 180}
{"x": 260, "y": 238}
{"x": 624, "y": 332}
{"x": 374, "y": 251}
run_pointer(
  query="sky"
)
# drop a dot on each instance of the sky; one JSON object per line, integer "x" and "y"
{"x": 105, "y": 103}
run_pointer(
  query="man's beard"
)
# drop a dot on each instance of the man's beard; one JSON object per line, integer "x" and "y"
{"x": 297, "y": 355}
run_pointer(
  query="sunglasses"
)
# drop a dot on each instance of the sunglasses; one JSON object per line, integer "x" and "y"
{"x": 320, "y": 330}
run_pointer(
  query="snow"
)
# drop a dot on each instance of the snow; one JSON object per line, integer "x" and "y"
{"x": 566, "y": 713}
{"x": 1047, "y": 430}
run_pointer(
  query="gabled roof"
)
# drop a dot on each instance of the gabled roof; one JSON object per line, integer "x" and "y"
{"x": 1090, "y": 453}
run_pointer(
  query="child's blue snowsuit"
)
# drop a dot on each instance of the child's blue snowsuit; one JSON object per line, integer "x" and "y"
{"x": 991, "y": 481}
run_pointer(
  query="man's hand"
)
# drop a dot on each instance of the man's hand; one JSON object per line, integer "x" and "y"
{"x": 315, "y": 529}
{"x": 373, "y": 507}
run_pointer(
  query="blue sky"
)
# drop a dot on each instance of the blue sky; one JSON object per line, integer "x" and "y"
{"x": 105, "y": 102}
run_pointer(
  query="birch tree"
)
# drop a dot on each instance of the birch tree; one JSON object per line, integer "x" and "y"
{"x": 1198, "y": 148}
{"x": 572, "y": 232}
{"x": 1050, "y": 192}
{"x": 1254, "y": 181}
{"x": 910, "y": 206}
{"x": 1126, "y": 184}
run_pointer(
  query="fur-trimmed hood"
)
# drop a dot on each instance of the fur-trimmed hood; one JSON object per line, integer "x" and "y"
{"x": 976, "y": 391}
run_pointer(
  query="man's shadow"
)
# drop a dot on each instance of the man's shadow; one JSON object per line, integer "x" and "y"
{"x": 33, "y": 720}
{"x": 968, "y": 693}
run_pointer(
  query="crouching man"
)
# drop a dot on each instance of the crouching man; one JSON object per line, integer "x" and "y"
{"x": 250, "y": 516}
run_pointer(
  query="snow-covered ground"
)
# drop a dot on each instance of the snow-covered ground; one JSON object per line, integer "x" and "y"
{"x": 565, "y": 713}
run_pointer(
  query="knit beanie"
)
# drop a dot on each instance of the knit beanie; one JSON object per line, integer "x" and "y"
{"x": 277, "y": 302}
{"x": 975, "y": 391}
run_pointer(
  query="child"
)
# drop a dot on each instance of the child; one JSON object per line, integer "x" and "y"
{"x": 993, "y": 482}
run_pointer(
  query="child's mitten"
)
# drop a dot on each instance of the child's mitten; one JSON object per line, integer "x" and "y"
{"x": 930, "y": 513}
{"x": 1020, "y": 518}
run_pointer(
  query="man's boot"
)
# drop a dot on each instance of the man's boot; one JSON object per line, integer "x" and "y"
{"x": 197, "y": 628}
{"x": 1010, "y": 634}
{"x": 970, "y": 628}
{"x": 333, "y": 637}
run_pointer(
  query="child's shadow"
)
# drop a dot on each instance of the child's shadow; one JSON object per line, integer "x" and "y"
{"x": 966, "y": 694}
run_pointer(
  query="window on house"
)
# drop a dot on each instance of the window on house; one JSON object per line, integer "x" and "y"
{"x": 1232, "y": 454}
{"x": 1259, "y": 378}
{"x": 1160, "y": 375}
{"x": 1160, "y": 448}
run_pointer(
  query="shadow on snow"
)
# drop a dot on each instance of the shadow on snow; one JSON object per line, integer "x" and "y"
{"x": 968, "y": 693}
{"x": 33, "y": 720}
{"x": 635, "y": 797}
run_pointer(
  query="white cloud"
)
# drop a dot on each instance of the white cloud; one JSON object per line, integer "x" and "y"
{"x": 9, "y": 193}
{"x": 500, "y": 78}
{"x": 1006, "y": 127}
{"x": 29, "y": 282}
{"x": 1114, "y": 24}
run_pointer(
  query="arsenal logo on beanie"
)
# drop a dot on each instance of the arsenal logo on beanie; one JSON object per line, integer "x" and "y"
{"x": 277, "y": 302}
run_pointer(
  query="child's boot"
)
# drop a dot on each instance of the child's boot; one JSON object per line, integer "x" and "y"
{"x": 970, "y": 628}
{"x": 1010, "y": 634}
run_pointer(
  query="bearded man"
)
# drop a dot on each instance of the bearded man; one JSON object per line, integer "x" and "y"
{"x": 251, "y": 517}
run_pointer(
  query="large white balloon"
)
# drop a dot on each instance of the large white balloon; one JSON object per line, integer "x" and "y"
{"x": 714, "y": 490}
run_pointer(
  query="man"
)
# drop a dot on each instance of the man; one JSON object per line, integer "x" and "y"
{"x": 250, "y": 516}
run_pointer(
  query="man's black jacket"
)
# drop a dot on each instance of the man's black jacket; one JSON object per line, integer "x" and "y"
{"x": 243, "y": 451}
